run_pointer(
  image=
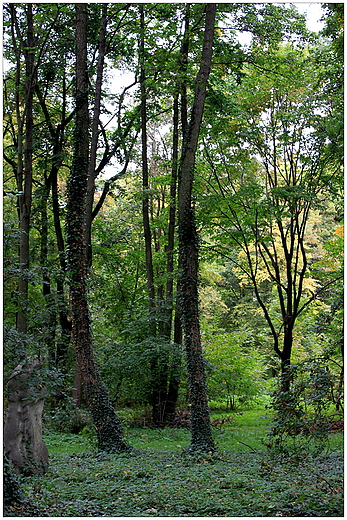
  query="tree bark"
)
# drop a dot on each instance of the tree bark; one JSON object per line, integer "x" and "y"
{"x": 50, "y": 325}
{"x": 286, "y": 353}
{"x": 145, "y": 183}
{"x": 201, "y": 431}
{"x": 94, "y": 138}
{"x": 173, "y": 381}
{"x": 106, "y": 422}
{"x": 63, "y": 342}
{"x": 172, "y": 222}
{"x": 184, "y": 67}
{"x": 24, "y": 171}
{"x": 176, "y": 360}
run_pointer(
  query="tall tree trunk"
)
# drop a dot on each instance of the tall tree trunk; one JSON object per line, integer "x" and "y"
{"x": 51, "y": 321}
{"x": 63, "y": 342}
{"x": 201, "y": 431}
{"x": 95, "y": 133}
{"x": 173, "y": 380}
{"x": 106, "y": 422}
{"x": 184, "y": 68}
{"x": 24, "y": 181}
{"x": 176, "y": 362}
{"x": 157, "y": 376}
{"x": 145, "y": 175}
{"x": 172, "y": 221}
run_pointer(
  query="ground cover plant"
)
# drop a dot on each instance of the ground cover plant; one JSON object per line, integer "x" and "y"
{"x": 159, "y": 478}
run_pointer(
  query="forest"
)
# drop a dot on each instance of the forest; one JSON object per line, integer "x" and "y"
{"x": 173, "y": 260}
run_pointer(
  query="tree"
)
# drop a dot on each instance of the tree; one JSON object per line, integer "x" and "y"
{"x": 267, "y": 184}
{"x": 330, "y": 57}
{"x": 156, "y": 397}
{"x": 159, "y": 200}
{"x": 51, "y": 157}
{"x": 201, "y": 432}
{"x": 253, "y": 176}
{"x": 50, "y": 122}
{"x": 107, "y": 424}
{"x": 27, "y": 48}
{"x": 113, "y": 145}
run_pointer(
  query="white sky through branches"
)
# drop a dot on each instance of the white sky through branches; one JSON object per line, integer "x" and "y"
{"x": 312, "y": 10}
{"x": 313, "y": 13}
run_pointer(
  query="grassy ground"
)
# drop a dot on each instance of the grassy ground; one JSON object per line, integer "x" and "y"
{"x": 160, "y": 479}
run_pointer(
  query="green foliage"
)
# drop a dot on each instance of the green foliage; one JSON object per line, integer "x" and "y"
{"x": 126, "y": 364}
{"x": 263, "y": 200}
{"x": 67, "y": 418}
{"x": 269, "y": 23}
{"x": 171, "y": 483}
{"x": 12, "y": 491}
{"x": 302, "y": 413}
{"x": 330, "y": 56}
{"x": 14, "y": 500}
{"x": 16, "y": 345}
{"x": 237, "y": 367}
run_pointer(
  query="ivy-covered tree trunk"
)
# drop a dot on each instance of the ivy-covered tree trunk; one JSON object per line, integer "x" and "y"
{"x": 201, "y": 431}
{"x": 106, "y": 422}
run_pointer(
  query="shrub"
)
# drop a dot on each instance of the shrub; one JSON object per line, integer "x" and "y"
{"x": 301, "y": 414}
{"x": 67, "y": 418}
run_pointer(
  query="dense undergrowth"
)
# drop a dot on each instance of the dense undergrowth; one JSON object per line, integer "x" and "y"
{"x": 159, "y": 478}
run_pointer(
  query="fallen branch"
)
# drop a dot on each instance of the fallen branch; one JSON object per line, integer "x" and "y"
{"x": 248, "y": 446}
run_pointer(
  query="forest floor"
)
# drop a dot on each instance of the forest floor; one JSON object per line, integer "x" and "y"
{"x": 159, "y": 478}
